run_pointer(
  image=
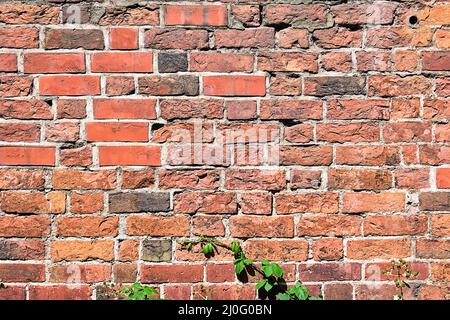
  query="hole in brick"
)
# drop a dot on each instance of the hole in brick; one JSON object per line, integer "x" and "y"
{"x": 157, "y": 126}
{"x": 413, "y": 20}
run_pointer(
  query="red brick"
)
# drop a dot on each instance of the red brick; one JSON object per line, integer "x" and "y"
{"x": 329, "y": 225}
{"x": 71, "y": 109}
{"x": 256, "y": 203}
{"x": 82, "y": 250}
{"x": 366, "y": 249}
{"x": 89, "y": 202}
{"x": 196, "y": 15}
{"x": 374, "y": 155}
{"x": 87, "y": 226}
{"x": 124, "y": 109}
{"x": 359, "y": 179}
{"x": 8, "y": 62}
{"x": 54, "y": 63}
{"x": 234, "y": 85}
{"x": 373, "y": 202}
{"x": 129, "y": 156}
{"x": 351, "y": 109}
{"x": 133, "y": 62}
{"x": 218, "y": 273}
{"x": 69, "y": 85}
{"x": 19, "y": 38}
{"x": 177, "y": 225}
{"x": 395, "y": 225}
{"x": 78, "y": 273}
{"x": 221, "y": 62}
{"x": 277, "y": 250}
{"x": 443, "y": 178}
{"x": 288, "y": 61}
{"x": 53, "y": 202}
{"x": 123, "y": 38}
{"x": 171, "y": 273}
{"x": 14, "y": 272}
{"x": 253, "y": 38}
{"x": 31, "y": 226}
{"x": 324, "y": 202}
{"x": 274, "y": 227}
{"x": 328, "y": 249}
{"x": 59, "y": 292}
{"x": 205, "y": 202}
{"x": 117, "y": 131}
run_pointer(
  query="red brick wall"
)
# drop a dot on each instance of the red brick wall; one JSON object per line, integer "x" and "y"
{"x": 316, "y": 133}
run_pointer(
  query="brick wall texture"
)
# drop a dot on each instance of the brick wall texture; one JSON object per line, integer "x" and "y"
{"x": 316, "y": 132}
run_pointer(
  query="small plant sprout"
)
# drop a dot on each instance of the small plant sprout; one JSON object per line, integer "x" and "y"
{"x": 139, "y": 292}
{"x": 401, "y": 270}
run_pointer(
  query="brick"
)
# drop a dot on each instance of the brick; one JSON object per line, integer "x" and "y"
{"x": 177, "y": 292}
{"x": 8, "y": 62}
{"x": 434, "y": 201}
{"x": 12, "y": 293}
{"x": 441, "y": 38}
{"x": 123, "y": 38}
{"x": 277, "y": 250}
{"x": 373, "y": 61}
{"x": 373, "y": 202}
{"x": 177, "y": 225}
{"x": 192, "y": 179}
{"x": 76, "y": 156}
{"x": 69, "y": 85}
{"x": 119, "y": 86}
{"x": 137, "y": 179}
{"x": 192, "y": 108}
{"x": 434, "y": 154}
{"x": 181, "y": 132}
{"x": 405, "y": 108}
{"x": 241, "y": 109}
{"x": 328, "y": 249}
{"x": 379, "y": 13}
{"x": 306, "y": 179}
{"x": 299, "y": 133}
{"x": 196, "y": 15}
{"x": 338, "y": 291}
{"x": 19, "y": 38}
{"x": 138, "y": 202}
{"x": 172, "y": 62}
{"x": 156, "y": 250}
{"x": 169, "y": 85}
{"x": 335, "y": 225}
{"x": 137, "y": 14}
{"x": 285, "y": 86}
{"x": 336, "y": 61}
{"x": 25, "y": 109}
{"x": 436, "y": 61}
{"x": 246, "y": 15}
{"x": 218, "y": 273}
{"x": 363, "y": 249}
{"x": 374, "y": 155}
{"x": 398, "y": 36}
{"x": 442, "y": 132}
{"x": 433, "y": 249}
{"x": 59, "y": 292}
{"x": 208, "y": 226}
{"x": 17, "y": 13}
{"x": 124, "y": 109}
{"x": 273, "y": 227}
{"x": 234, "y": 85}
{"x": 87, "y": 226}
{"x": 359, "y": 179}
{"x": 256, "y": 203}
{"x": 24, "y": 226}
{"x": 296, "y": 15}
{"x": 440, "y": 224}
{"x": 20, "y": 132}
{"x": 443, "y": 178}
{"x": 306, "y": 156}
{"x": 22, "y": 250}
{"x": 12, "y": 86}
{"x": 90, "y": 273}
{"x": 325, "y": 202}
{"x": 255, "y": 179}
{"x": 412, "y": 178}
{"x": 82, "y": 250}
{"x": 348, "y": 132}
{"x": 395, "y": 225}
{"x": 88, "y": 202}
{"x": 133, "y": 62}
{"x": 54, "y": 63}
{"x": 129, "y": 156}
{"x": 220, "y": 62}
{"x": 436, "y": 109}
{"x": 89, "y": 39}
{"x": 13, "y": 272}
{"x": 249, "y": 38}
{"x": 288, "y": 61}
{"x": 15, "y": 179}
{"x": 171, "y": 273}
{"x": 62, "y": 132}
{"x": 406, "y": 60}
{"x": 128, "y": 250}
{"x": 329, "y": 271}
{"x": 334, "y": 85}
{"x": 117, "y": 131}
{"x": 286, "y": 109}
{"x": 350, "y": 109}
{"x": 71, "y": 109}
{"x": 53, "y": 202}
{"x": 205, "y": 202}
{"x": 440, "y": 271}
{"x": 337, "y": 38}
{"x": 84, "y": 180}
{"x": 225, "y": 292}
{"x": 125, "y": 272}
{"x": 389, "y": 86}
{"x": 176, "y": 39}
{"x": 293, "y": 38}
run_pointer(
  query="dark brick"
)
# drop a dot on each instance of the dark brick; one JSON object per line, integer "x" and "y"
{"x": 157, "y": 250}
{"x": 139, "y": 202}
{"x": 325, "y": 86}
{"x": 434, "y": 201}
{"x": 74, "y": 38}
{"x": 172, "y": 62}
{"x": 329, "y": 271}
{"x": 22, "y": 250}
{"x": 169, "y": 85}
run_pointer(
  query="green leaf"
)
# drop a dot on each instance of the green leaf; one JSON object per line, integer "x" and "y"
{"x": 267, "y": 271}
{"x": 239, "y": 267}
{"x": 268, "y": 286}
{"x": 261, "y": 284}
{"x": 283, "y": 296}
{"x": 277, "y": 270}
{"x": 247, "y": 262}
{"x": 265, "y": 262}
{"x": 235, "y": 247}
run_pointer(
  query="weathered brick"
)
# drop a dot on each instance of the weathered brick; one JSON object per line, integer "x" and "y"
{"x": 177, "y": 225}
{"x": 127, "y": 202}
{"x": 156, "y": 250}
